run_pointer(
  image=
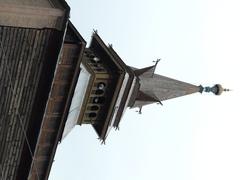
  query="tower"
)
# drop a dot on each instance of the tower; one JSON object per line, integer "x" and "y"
{"x": 106, "y": 87}
{"x": 32, "y": 35}
{"x": 51, "y": 82}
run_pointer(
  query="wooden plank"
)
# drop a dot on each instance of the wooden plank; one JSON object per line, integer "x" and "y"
{"x": 25, "y": 51}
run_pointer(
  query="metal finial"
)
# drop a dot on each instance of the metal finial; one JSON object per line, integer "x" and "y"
{"x": 227, "y": 90}
{"x": 156, "y": 62}
{"x": 160, "y": 103}
{"x": 140, "y": 110}
{"x": 95, "y": 31}
{"x": 217, "y": 89}
{"x": 103, "y": 142}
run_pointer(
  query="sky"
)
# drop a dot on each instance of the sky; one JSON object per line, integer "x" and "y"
{"x": 194, "y": 137}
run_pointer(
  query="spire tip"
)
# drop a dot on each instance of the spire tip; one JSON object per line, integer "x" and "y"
{"x": 217, "y": 89}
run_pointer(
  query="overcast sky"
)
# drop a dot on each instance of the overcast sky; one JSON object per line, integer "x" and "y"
{"x": 194, "y": 137}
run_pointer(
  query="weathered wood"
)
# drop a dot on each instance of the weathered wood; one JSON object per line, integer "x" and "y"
{"x": 55, "y": 106}
{"x": 31, "y": 16}
{"x": 20, "y": 62}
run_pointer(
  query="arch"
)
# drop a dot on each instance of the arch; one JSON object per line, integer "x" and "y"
{"x": 101, "y": 86}
{"x": 92, "y": 115}
{"x": 89, "y": 55}
{"x": 94, "y": 108}
{"x": 98, "y": 100}
{"x": 99, "y": 91}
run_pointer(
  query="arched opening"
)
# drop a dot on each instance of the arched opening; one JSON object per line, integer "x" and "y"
{"x": 94, "y": 108}
{"x": 90, "y": 55}
{"x": 96, "y": 59}
{"x": 99, "y": 91}
{"x": 101, "y": 85}
{"x": 98, "y": 100}
{"x": 92, "y": 115}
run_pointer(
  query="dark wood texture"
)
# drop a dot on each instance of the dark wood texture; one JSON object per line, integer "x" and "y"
{"x": 58, "y": 104}
{"x": 23, "y": 61}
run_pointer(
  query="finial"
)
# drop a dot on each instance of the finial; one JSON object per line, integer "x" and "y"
{"x": 160, "y": 103}
{"x": 103, "y": 142}
{"x": 156, "y": 62}
{"x": 227, "y": 90}
{"x": 217, "y": 89}
{"x": 140, "y": 110}
{"x": 95, "y": 31}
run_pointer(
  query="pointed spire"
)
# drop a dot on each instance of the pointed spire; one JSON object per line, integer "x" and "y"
{"x": 157, "y": 88}
{"x": 152, "y": 88}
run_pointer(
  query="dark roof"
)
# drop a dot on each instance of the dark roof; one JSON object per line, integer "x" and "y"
{"x": 59, "y": 103}
{"x": 99, "y": 47}
{"x": 118, "y": 68}
{"x": 73, "y": 36}
{"x": 147, "y": 71}
{"x": 127, "y": 89}
{"x": 145, "y": 97}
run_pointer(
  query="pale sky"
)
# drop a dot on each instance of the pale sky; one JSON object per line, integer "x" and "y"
{"x": 195, "y": 137}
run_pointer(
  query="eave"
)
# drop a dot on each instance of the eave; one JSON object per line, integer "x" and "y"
{"x": 124, "y": 69}
{"x": 45, "y": 154}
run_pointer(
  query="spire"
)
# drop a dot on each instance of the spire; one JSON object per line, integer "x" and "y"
{"x": 154, "y": 88}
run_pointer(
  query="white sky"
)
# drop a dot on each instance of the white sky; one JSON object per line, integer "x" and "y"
{"x": 189, "y": 138}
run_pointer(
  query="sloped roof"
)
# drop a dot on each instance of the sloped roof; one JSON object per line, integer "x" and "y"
{"x": 156, "y": 88}
{"x": 118, "y": 69}
{"x": 146, "y": 72}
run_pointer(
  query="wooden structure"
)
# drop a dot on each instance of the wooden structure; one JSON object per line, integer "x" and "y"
{"x": 39, "y": 56}
{"x": 102, "y": 91}
{"x": 107, "y": 87}
{"x": 58, "y": 104}
{"x": 49, "y": 82}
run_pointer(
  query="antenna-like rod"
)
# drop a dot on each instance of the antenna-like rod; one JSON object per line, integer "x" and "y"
{"x": 156, "y": 63}
{"x": 217, "y": 89}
